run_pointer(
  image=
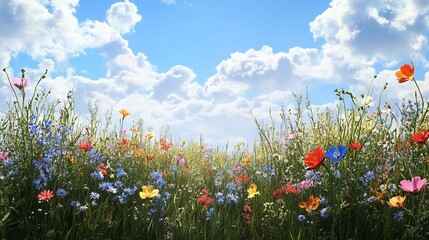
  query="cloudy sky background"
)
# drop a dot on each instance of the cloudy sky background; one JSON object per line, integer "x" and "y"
{"x": 202, "y": 67}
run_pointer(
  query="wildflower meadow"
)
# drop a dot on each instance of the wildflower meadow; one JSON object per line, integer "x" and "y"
{"x": 355, "y": 171}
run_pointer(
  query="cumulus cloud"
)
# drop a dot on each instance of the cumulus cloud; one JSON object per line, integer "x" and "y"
{"x": 245, "y": 84}
{"x": 377, "y": 29}
{"x": 123, "y": 16}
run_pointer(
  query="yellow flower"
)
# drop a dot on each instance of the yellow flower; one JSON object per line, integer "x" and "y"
{"x": 149, "y": 135}
{"x": 246, "y": 161}
{"x": 252, "y": 191}
{"x": 148, "y": 192}
{"x": 124, "y": 113}
{"x": 239, "y": 144}
{"x": 311, "y": 204}
{"x": 397, "y": 202}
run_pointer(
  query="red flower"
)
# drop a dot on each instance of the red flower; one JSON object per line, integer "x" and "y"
{"x": 45, "y": 195}
{"x": 246, "y": 213}
{"x": 356, "y": 145}
{"x": 421, "y": 137}
{"x": 102, "y": 169}
{"x": 314, "y": 159}
{"x": 278, "y": 192}
{"x": 205, "y": 199}
{"x": 85, "y": 146}
{"x": 289, "y": 188}
{"x": 405, "y": 73}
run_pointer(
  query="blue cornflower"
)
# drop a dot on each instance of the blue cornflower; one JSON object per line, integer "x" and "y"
{"x": 231, "y": 198}
{"x": 38, "y": 183}
{"x": 209, "y": 213}
{"x": 367, "y": 177}
{"x": 392, "y": 187}
{"x": 120, "y": 172}
{"x": 94, "y": 195}
{"x": 130, "y": 191}
{"x": 61, "y": 192}
{"x": 370, "y": 200}
{"x": 323, "y": 200}
{"x": 8, "y": 162}
{"x": 157, "y": 176}
{"x": 301, "y": 218}
{"x": 75, "y": 204}
{"x": 97, "y": 175}
{"x": 122, "y": 198}
{"x": 336, "y": 154}
{"x": 119, "y": 184}
{"x": 82, "y": 208}
{"x": 398, "y": 216}
{"x": 108, "y": 187}
{"x": 220, "y": 198}
{"x": 231, "y": 187}
{"x": 324, "y": 213}
{"x": 47, "y": 124}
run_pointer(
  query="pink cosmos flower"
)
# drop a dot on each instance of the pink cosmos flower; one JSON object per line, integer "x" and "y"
{"x": 414, "y": 186}
{"x": 20, "y": 83}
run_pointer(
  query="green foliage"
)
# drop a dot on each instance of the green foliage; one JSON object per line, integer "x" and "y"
{"x": 96, "y": 173}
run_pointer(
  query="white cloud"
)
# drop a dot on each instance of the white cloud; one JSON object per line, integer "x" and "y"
{"x": 169, "y": 1}
{"x": 123, "y": 16}
{"x": 358, "y": 35}
{"x": 375, "y": 28}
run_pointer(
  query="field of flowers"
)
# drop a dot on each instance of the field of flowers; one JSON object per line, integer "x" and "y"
{"x": 357, "y": 171}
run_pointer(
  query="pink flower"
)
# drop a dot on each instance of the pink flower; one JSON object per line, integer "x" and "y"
{"x": 20, "y": 83}
{"x": 180, "y": 160}
{"x": 45, "y": 195}
{"x": 304, "y": 185}
{"x": 3, "y": 155}
{"x": 414, "y": 186}
{"x": 290, "y": 136}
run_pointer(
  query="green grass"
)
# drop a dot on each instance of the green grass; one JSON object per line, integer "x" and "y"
{"x": 45, "y": 147}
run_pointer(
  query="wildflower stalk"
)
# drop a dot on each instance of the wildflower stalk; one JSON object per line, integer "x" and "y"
{"x": 424, "y": 111}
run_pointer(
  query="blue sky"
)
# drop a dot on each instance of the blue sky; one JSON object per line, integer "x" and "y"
{"x": 202, "y": 67}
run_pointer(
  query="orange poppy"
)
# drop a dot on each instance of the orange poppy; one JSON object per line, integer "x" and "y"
{"x": 311, "y": 204}
{"x": 405, "y": 73}
{"x": 397, "y": 202}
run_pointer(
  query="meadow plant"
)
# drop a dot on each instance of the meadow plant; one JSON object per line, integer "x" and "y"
{"x": 355, "y": 171}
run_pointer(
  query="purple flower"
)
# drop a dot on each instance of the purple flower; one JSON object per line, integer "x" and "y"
{"x": 398, "y": 216}
{"x": 301, "y": 218}
{"x": 61, "y": 192}
{"x": 304, "y": 185}
{"x": 324, "y": 213}
{"x": 180, "y": 160}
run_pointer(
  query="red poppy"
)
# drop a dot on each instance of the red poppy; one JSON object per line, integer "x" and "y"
{"x": 405, "y": 73}
{"x": 356, "y": 145}
{"x": 421, "y": 137}
{"x": 314, "y": 159}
